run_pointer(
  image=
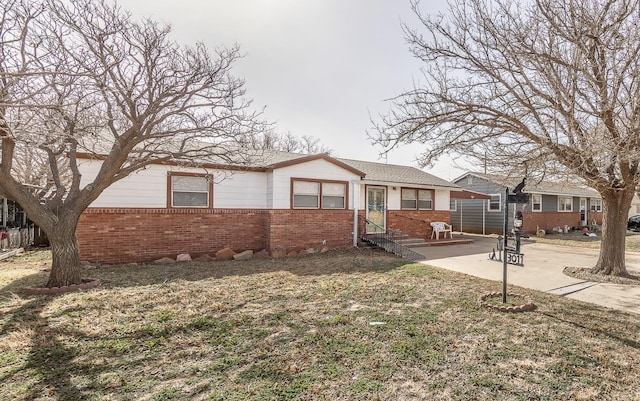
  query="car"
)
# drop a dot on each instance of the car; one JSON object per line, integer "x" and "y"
{"x": 634, "y": 223}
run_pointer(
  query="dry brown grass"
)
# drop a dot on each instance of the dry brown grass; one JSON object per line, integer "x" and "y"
{"x": 300, "y": 329}
{"x": 578, "y": 239}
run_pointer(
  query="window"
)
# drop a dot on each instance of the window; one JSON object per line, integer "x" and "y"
{"x": 425, "y": 200}
{"x": 319, "y": 195}
{"x": 420, "y": 199}
{"x": 453, "y": 205}
{"x": 536, "y": 202}
{"x": 495, "y": 203}
{"x": 306, "y": 194}
{"x": 333, "y": 195}
{"x": 596, "y": 205}
{"x": 190, "y": 190}
{"x": 565, "y": 204}
{"x": 409, "y": 200}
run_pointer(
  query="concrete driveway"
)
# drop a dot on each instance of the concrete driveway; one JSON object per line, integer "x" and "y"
{"x": 542, "y": 271}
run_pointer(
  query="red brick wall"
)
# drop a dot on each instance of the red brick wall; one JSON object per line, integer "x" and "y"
{"x": 112, "y": 236}
{"x": 415, "y": 223}
{"x": 138, "y": 235}
{"x": 549, "y": 220}
{"x": 293, "y": 229}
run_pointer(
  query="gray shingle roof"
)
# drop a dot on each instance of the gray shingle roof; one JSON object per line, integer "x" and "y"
{"x": 393, "y": 173}
{"x": 544, "y": 187}
{"x": 377, "y": 172}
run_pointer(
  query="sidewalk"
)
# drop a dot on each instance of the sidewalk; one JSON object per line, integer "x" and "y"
{"x": 542, "y": 271}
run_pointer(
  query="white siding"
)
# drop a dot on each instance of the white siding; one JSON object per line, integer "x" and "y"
{"x": 148, "y": 188}
{"x": 143, "y": 189}
{"x": 442, "y": 199}
{"x": 362, "y": 198}
{"x": 315, "y": 169}
{"x": 394, "y": 198}
{"x": 241, "y": 190}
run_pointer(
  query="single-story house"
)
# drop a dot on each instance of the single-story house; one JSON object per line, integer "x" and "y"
{"x": 290, "y": 201}
{"x": 551, "y": 205}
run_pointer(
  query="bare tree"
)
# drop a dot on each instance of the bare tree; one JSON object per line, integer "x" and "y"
{"x": 83, "y": 77}
{"x": 541, "y": 84}
{"x": 288, "y": 142}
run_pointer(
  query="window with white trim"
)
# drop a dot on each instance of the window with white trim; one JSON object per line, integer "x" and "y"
{"x": 565, "y": 204}
{"x": 453, "y": 205}
{"x": 190, "y": 191}
{"x": 495, "y": 203}
{"x": 319, "y": 195}
{"x": 536, "y": 202}
{"x": 596, "y": 205}
{"x": 417, "y": 199}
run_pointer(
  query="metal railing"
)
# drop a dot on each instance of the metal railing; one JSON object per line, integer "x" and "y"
{"x": 388, "y": 240}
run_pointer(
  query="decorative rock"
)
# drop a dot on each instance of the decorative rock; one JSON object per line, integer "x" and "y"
{"x": 245, "y": 255}
{"x": 263, "y": 254}
{"x": 183, "y": 257}
{"x": 225, "y": 254}
{"x": 86, "y": 284}
{"x": 164, "y": 261}
{"x": 279, "y": 253}
{"x": 526, "y": 306}
{"x": 310, "y": 251}
{"x": 203, "y": 258}
{"x": 324, "y": 249}
{"x": 292, "y": 254}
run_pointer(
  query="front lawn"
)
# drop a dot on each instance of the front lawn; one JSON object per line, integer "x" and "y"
{"x": 578, "y": 239}
{"x": 352, "y": 325}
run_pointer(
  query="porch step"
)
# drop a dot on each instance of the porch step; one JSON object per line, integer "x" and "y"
{"x": 412, "y": 242}
{"x": 419, "y": 242}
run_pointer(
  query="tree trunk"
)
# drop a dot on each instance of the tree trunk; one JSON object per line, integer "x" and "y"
{"x": 616, "y": 206}
{"x": 65, "y": 267}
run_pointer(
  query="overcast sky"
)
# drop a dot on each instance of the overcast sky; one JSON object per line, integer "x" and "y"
{"x": 321, "y": 67}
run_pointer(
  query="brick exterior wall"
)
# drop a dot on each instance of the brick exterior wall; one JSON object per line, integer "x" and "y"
{"x": 112, "y": 236}
{"x": 299, "y": 229}
{"x": 549, "y": 220}
{"x": 416, "y": 223}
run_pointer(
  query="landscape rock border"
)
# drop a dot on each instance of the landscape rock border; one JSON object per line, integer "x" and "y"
{"x": 86, "y": 284}
{"x": 527, "y": 306}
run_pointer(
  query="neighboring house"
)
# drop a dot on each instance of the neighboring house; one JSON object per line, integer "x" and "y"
{"x": 634, "y": 210}
{"x": 551, "y": 205}
{"x": 289, "y": 201}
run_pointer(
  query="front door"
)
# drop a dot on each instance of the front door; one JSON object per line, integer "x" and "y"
{"x": 376, "y": 209}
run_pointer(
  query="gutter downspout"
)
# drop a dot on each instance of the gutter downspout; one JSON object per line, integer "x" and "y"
{"x": 356, "y": 201}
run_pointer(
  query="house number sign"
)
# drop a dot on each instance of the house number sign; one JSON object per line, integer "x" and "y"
{"x": 515, "y": 258}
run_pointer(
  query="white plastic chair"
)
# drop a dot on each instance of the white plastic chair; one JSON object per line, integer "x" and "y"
{"x": 440, "y": 227}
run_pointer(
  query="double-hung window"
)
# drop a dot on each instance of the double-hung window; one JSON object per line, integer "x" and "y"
{"x": 333, "y": 195}
{"x": 495, "y": 203}
{"x": 417, "y": 199}
{"x": 319, "y": 194}
{"x": 565, "y": 204}
{"x": 596, "y": 205}
{"x": 193, "y": 190}
{"x": 536, "y": 202}
{"x": 306, "y": 195}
